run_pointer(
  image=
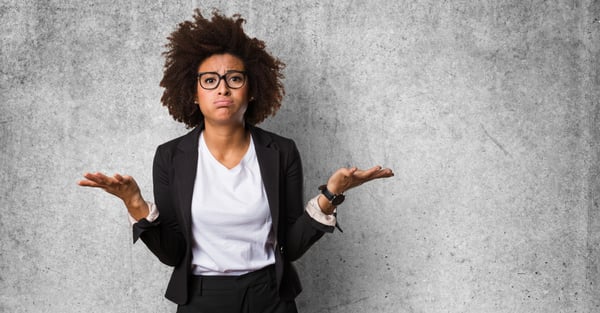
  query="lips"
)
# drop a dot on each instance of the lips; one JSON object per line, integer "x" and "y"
{"x": 223, "y": 103}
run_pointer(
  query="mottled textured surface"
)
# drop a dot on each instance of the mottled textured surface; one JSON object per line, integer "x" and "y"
{"x": 488, "y": 112}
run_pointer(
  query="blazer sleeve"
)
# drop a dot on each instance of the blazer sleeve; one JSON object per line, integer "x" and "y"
{"x": 163, "y": 236}
{"x": 302, "y": 231}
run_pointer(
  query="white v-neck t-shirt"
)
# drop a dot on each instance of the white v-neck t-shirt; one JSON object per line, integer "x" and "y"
{"x": 231, "y": 220}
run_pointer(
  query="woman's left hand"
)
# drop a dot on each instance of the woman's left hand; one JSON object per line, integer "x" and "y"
{"x": 346, "y": 178}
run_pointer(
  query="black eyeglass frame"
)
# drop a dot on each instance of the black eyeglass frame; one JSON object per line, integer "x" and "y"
{"x": 224, "y": 78}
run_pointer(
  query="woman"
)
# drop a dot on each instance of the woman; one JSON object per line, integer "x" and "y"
{"x": 228, "y": 212}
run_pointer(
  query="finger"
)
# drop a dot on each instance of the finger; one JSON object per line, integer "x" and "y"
{"x": 119, "y": 178}
{"x": 373, "y": 173}
{"x": 127, "y": 180}
{"x": 387, "y": 172}
{"x": 382, "y": 173}
{"x": 367, "y": 173}
{"x": 94, "y": 177}
{"x": 375, "y": 169}
{"x": 88, "y": 183}
{"x": 101, "y": 179}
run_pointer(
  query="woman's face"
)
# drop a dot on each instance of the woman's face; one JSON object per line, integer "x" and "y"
{"x": 225, "y": 104}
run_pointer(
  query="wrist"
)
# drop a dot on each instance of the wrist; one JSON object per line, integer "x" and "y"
{"x": 333, "y": 198}
{"x": 137, "y": 207}
{"x": 325, "y": 206}
{"x": 334, "y": 189}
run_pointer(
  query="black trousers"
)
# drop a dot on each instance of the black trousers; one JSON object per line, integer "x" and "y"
{"x": 254, "y": 292}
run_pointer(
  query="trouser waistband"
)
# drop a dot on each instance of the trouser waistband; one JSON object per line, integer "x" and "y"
{"x": 209, "y": 282}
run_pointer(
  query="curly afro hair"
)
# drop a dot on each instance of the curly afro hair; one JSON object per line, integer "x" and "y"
{"x": 194, "y": 41}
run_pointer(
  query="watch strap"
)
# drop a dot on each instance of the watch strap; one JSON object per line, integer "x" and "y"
{"x": 333, "y": 198}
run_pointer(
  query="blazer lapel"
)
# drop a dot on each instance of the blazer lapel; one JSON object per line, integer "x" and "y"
{"x": 185, "y": 163}
{"x": 268, "y": 161}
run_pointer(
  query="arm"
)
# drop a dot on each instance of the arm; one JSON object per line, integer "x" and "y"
{"x": 163, "y": 236}
{"x": 302, "y": 230}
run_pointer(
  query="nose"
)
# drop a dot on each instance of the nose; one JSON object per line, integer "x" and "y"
{"x": 222, "y": 87}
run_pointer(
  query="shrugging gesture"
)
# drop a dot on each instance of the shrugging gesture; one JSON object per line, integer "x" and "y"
{"x": 228, "y": 194}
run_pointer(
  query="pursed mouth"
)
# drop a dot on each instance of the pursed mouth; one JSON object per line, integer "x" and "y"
{"x": 220, "y": 104}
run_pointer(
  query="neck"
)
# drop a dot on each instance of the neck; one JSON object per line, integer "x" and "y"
{"x": 226, "y": 137}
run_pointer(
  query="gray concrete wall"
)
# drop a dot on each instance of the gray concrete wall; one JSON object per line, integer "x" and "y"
{"x": 487, "y": 111}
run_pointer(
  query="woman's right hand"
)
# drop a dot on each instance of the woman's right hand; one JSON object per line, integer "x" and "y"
{"x": 122, "y": 186}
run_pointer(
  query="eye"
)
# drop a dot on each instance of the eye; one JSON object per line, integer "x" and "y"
{"x": 236, "y": 78}
{"x": 210, "y": 80}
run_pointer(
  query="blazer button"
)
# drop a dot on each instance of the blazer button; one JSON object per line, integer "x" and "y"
{"x": 281, "y": 249}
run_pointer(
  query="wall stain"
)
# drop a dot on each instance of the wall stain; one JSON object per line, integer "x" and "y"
{"x": 496, "y": 142}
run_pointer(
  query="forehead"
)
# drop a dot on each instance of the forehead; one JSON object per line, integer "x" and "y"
{"x": 221, "y": 63}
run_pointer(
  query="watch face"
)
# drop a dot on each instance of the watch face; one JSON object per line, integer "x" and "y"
{"x": 338, "y": 199}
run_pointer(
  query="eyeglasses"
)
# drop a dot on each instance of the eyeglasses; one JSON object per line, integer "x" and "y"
{"x": 211, "y": 80}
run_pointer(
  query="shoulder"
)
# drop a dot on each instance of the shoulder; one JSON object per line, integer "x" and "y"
{"x": 271, "y": 139}
{"x": 188, "y": 141}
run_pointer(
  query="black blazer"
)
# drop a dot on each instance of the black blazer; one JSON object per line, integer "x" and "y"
{"x": 174, "y": 174}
